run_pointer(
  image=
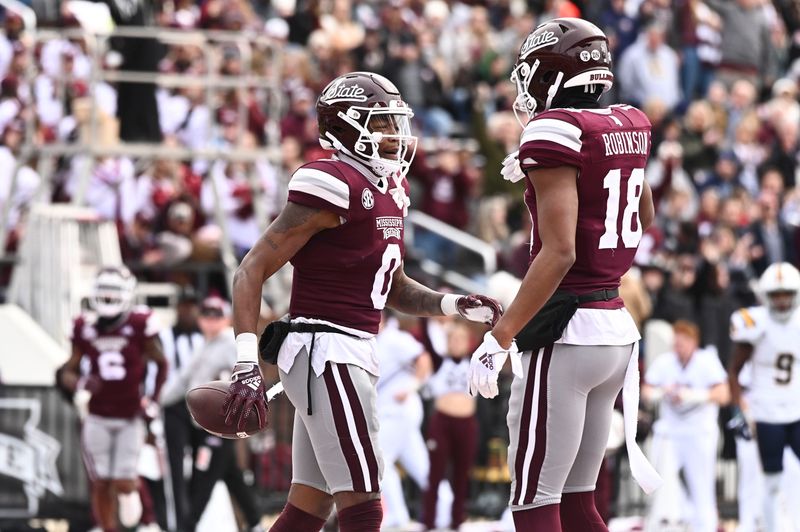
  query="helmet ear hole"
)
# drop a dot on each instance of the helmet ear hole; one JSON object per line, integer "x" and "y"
{"x": 547, "y": 77}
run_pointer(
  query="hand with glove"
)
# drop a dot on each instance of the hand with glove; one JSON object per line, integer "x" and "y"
{"x": 474, "y": 307}
{"x": 486, "y": 363}
{"x": 245, "y": 396}
{"x": 740, "y": 425}
{"x": 511, "y": 169}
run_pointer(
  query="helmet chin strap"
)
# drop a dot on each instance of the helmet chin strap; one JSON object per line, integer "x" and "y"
{"x": 553, "y": 90}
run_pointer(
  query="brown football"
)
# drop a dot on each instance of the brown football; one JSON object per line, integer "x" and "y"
{"x": 205, "y": 404}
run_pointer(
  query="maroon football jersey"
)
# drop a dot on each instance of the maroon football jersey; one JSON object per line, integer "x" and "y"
{"x": 343, "y": 275}
{"x": 609, "y": 147}
{"x": 117, "y": 358}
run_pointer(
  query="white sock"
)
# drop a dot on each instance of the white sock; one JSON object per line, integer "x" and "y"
{"x": 130, "y": 508}
{"x": 772, "y": 488}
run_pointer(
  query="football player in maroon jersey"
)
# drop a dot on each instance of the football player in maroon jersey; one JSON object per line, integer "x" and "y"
{"x": 118, "y": 341}
{"x": 342, "y": 230}
{"x": 583, "y": 167}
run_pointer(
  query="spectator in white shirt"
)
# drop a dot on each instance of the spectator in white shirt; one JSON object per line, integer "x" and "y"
{"x": 689, "y": 384}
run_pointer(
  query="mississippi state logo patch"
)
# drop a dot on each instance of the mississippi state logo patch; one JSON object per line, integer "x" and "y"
{"x": 367, "y": 199}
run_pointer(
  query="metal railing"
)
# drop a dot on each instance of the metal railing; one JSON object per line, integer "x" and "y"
{"x": 63, "y": 247}
{"x": 467, "y": 242}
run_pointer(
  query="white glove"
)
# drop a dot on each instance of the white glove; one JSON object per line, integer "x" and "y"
{"x": 486, "y": 363}
{"x": 511, "y": 170}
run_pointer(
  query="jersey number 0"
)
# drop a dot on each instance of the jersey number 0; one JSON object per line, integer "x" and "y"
{"x": 383, "y": 277}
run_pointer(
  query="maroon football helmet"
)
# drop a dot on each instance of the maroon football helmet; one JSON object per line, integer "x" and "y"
{"x": 557, "y": 55}
{"x": 356, "y": 112}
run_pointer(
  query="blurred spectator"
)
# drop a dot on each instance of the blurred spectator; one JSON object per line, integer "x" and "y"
{"x": 345, "y": 33}
{"x": 235, "y": 103}
{"x": 689, "y": 384}
{"x": 157, "y": 187}
{"x": 175, "y": 241}
{"x": 453, "y": 428}
{"x": 405, "y": 366}
{"x": 492, "y": 226}
{"x": 300, "y": 122}
{"x": 699, "y": 140}
{"x": 180, "y": 344}
{"x": 420, "y": 86}
{"x": 648, "y": 70}
{"x": 138, "y": 118}
{"x": 13, "y": 27}
{"x": 27, "y": 179}
{"x": 10, "y": 103}
{"x": 185, "y": 115}
{"x": 676, "y": 301}
{"x": 233, "y": 186}
{"x": 700, "y": 54}
{"x": 111, "y": 182}
{"x": 745, "y": 43}
{"x": 784, "y": 152}
{"x": 773, "y": 240}
{"x": 725, "y": 177}
{"x": 214, "y": 457}
{"x": 620, "y": 27}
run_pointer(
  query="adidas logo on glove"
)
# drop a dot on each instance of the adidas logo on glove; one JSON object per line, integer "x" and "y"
{"x": 253, "y": 382}
{"x": 487, "y": 360}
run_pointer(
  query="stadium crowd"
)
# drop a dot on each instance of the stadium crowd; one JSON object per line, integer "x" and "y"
{"x": 717, "y": 78}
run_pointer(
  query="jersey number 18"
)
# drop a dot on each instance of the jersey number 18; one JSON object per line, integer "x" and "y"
{"x": 630, "y": 214}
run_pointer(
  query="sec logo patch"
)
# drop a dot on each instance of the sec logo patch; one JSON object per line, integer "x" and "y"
{"x": 367, "y": 199}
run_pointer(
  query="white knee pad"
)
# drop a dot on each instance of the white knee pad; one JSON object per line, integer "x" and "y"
{"x": 130, "y": 509}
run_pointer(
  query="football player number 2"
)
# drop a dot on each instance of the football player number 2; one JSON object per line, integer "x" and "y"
{"x": 383, "y": 277}
{"x": 111, "y": 365}
{"x": 630, "y": 209}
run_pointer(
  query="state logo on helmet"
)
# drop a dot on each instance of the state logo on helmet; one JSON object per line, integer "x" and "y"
{"x": 112, "y": 291}
{"x": 560, "y": 54}
{"x": 779, "y": 285}
{"x": 361, "y": 114}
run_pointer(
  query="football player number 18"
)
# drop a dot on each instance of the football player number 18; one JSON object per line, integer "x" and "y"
{"x": 383, "y": 277}
{"x": 630, "y": 236}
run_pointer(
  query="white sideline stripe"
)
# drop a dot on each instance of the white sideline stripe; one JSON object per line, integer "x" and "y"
{"x": 526, "y": 464}
{"x": 351, "y": 425}
{"x": 321, "y": 180}
{"x": 320, "y": 193}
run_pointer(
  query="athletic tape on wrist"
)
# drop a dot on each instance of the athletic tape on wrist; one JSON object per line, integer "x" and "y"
{"x": 450, "y": 304}
{"x": 247, "y": 348}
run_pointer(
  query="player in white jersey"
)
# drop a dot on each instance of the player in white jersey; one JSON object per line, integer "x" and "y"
{"x": 690, "y": 384}
{"x": 751, "y": 476}
{"x": 768, "y": 336}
